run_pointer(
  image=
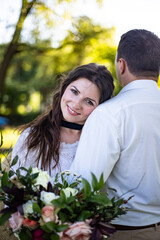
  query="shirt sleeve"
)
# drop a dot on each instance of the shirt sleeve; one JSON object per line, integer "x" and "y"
{"x": 99, "y": 148}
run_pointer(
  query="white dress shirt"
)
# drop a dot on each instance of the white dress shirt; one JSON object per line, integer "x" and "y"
{"x": 121, "y": 138}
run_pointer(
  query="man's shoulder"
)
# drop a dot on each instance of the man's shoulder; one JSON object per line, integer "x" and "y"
{"x": 112, "y": 104}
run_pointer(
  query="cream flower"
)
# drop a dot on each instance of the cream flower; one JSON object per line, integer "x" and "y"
{"x": 70, "y": 191}
{"x": 28, "y": 208}
{"x": 42, "y": 179}
{"x": 47, "y": 197}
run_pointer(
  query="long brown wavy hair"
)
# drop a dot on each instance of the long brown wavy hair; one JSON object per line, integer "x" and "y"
{"x": 44, "y": 131}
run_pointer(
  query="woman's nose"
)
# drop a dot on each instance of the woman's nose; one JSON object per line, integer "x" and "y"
{"x": 77, "y": 104}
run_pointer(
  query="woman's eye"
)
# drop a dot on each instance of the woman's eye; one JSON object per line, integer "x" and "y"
{"x": 74, "y": 91}
{"x": 90, "y": 102}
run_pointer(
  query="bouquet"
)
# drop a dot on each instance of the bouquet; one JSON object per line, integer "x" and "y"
{"x": 68, "y": 209}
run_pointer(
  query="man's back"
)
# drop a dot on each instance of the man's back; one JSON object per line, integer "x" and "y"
{"x": 129, "y": 154}
{"x": 137, "y": 118}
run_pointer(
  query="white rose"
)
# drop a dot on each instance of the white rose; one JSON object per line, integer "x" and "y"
{"x": 28, "y": 208}
{"x": 42, "y": 179}
{"x": 47, "y": 197}
{"x": 70, "y": 191}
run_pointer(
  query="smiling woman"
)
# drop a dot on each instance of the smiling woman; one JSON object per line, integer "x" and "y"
{"x": 50, "y": 141}
{"x": 80, "y": 98}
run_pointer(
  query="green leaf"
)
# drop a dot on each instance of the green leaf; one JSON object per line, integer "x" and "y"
{"x": 94, "y": 182}
{"x": 86, "y": 187}
{"x": 24, "y": 169}
{"x": 62, "y": 216}
{"x": 11, "y": 173}
{"x": 62, "y": 227}
{"x": 4, "y": 218}
{"x": 25, "y": 235}
{"x": 1, "y": 142}
{"x": 30, "y": 170}
{"x": 36, "y": 208}
{"x": 4, "y": 180}
{"x": 100, "y": 200}
{"x": 54, "y": 236}
{"x": 97, "y": 185}
{"x": 34, "y": 175}
{"x": 63, "y": 196}
{"x": 101, "y": 182}
{"x": 85, "y": 214}
{"x": 15, "y": 159}
{"x": 65, "y": 183}
{"x": 2, "y": 198}
{"x": 49, "y": 227}
{"x": 10, "y": 150}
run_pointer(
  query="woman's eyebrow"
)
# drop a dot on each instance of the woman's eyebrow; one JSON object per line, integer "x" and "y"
{"x": 76, "y": 88}
{"x": 92, "y": 100}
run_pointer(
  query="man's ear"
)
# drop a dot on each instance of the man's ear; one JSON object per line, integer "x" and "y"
{"x": 122, "y": 64}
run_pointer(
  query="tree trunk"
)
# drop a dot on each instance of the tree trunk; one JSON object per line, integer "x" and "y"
{"x": 12, "y": 48}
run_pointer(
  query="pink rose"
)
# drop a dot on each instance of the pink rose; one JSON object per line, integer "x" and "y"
{"x": 77, "y": 231}
{"x": 38, "y": 234}
{"x": 30, "y": 224}
{"x": 48, "y": 214}
{"x": 15, "y": 221}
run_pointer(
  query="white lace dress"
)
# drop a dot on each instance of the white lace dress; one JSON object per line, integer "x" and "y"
{"x": 67, "y": 154}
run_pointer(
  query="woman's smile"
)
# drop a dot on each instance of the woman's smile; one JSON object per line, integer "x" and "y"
{"x": 72, "y": 112}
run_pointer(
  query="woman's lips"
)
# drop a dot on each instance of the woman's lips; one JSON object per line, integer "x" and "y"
{"x": 72, "y": 112}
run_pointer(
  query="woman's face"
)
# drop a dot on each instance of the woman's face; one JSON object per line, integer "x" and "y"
{"x": 80, "y": 98}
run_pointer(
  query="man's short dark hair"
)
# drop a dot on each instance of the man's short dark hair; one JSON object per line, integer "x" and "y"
{"x": 141, "y": 50}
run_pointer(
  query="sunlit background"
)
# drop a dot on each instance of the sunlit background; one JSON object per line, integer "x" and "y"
{"x": 56, "y": 36}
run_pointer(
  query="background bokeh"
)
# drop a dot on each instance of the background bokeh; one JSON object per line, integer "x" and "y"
{"x": 41, "y": 40}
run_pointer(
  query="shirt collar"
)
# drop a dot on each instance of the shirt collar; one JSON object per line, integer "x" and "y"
{"x": 140, "y": 83}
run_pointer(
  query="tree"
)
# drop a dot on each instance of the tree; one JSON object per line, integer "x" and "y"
{"x": 14, "y": 46}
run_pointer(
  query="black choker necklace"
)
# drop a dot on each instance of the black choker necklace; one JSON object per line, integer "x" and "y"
{"x": 71, "y": 125}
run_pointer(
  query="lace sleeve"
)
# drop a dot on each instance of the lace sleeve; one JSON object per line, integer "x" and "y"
{"x": 20, "y": 149}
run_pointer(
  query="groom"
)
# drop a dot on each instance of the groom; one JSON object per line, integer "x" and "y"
{"x": 121, "y": 138}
